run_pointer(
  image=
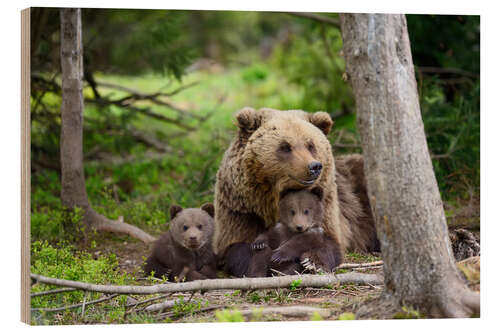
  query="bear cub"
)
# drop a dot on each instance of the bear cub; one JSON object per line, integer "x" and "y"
{"x": 185, "y": 251}
{"x": 297, "y": 238}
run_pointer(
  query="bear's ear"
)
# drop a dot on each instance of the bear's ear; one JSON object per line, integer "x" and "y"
{"x": 209, "y": 208}
{"x": 321, "y": 120}
{"x": 174, "y": 210}
{"x": 318, "y": 191}
{"x": 248, "y": 119}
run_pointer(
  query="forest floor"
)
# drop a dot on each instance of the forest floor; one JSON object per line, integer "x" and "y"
{"x": 283, "y": 304}
{"x": 237, "y": 305}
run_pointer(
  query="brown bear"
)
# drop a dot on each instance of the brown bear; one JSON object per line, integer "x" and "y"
{"x": 185, "y": 251}
{"x": 274, "y": 152}
{"x": 283, "y": 247}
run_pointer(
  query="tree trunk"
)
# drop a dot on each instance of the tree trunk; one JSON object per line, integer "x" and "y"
{"x": 73, "y": 192}
{"x": 418, "y": 261}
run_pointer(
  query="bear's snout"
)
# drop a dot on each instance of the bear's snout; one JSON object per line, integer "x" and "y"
{"x": 315, "y": 169}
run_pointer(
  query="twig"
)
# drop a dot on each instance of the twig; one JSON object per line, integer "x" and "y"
{"x": 447, "y": 70}
{"x": 287, "y": 311}
{"x": 346, "y": 145}
{"x": 172, "y": 314}
{"x": 84, "y": 302}
{"x": 136, "y": 95}
{"x": 159, "y": 306}
{"x": 316, "y": 17}
{"x": 100, "y": 300}
{"x": 53, "y": 291}
{"x": 366, "y": 264}
{"x": 308, "y": 280}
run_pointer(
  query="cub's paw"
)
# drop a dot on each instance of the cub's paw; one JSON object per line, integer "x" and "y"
{"x": 257, "y": 246}
{"x": 310, "y": 264}
{"x": 279, "y": 257}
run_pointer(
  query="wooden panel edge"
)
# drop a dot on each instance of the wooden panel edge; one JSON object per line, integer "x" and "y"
{"x": 25, "y": 166}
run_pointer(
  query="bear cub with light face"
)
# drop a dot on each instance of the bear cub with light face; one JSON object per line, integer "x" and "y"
{"x": 296, "y": 237}
{"x": 185, "y": 251}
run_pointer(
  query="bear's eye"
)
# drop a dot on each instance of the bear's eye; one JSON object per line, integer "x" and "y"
{"x": 285, "y": 147}
{"x": 293, "y": 212}
{"x": 199, "y": 226}
{"x": 306, "y": 212}
{"x": 311, "y": 147}
{"x": 185, "y": 228}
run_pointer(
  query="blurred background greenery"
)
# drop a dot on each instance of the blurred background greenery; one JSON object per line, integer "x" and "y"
{"x": 161, "y": 88}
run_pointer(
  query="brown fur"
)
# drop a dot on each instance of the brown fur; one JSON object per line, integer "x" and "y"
{"x": 297, "y": 235}
{"x": 185, "y": 251}
{"x": 270, "y": 155}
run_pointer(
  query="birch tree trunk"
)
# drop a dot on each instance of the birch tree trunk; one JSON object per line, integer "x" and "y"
{"x": 418, "y": 261}
{"x": 73, "y": 192}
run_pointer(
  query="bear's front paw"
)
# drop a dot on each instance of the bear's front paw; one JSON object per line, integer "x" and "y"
{"x": 279, "y": 257}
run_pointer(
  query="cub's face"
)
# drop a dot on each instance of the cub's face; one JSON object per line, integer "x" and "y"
{"x": 288, "y": 150}
{"x": 192, "y": 227}
{"x": 301, "y": 210}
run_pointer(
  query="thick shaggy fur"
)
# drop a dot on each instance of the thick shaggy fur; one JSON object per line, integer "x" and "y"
{"x": 185, "y": 251}
{"x": 270, "y": 155}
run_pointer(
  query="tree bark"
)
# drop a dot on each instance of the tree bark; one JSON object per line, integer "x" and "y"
{"x": 411, "y": 226}
{"x": 73, "y": 192}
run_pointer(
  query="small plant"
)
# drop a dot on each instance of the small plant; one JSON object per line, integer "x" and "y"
{"x": 407, "y": 313}
{"x": 254, "y": 297}
{"x": 229, "y": 316}
{"x": 182, "y": 307}
{"x": 295, "y": 284}
{"x": 316, "y": 316}
{"x": 347, "y": 316}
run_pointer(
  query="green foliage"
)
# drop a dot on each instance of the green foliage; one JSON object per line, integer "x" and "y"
{"x": 347, "y": 316}
{"x": 453, "y": 134}
{"x": 312, "y": 62}
{"x": 407, "y": 313}
{"x": 229, "y": 316}
{"x": 254, "y": 74}
{"x": 316, "y": 317}
{"x": 183, "y": 307}
{"x": 295, "y": 284}
{"x": 64, "y": 262}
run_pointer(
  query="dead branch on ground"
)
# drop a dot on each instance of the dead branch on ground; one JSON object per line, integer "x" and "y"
{"x": 307, "y": 280}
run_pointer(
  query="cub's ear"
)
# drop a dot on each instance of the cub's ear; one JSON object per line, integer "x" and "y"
{"x": 321, "y": 120}
{"x": 318, "y": 191}
{"x": 174, "y": 210}
{"x": 209, "y": 208}
{"x": 248, "y": 119}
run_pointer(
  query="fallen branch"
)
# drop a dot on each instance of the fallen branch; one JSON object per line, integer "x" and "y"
{"x": 307, "y": 280}
{"x": 100, "y": 300}
{"x": 53, "y": 291}
{"x": 102, "y": 223}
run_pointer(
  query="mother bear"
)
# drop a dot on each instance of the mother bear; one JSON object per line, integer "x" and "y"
{"x": 276, "y": 151}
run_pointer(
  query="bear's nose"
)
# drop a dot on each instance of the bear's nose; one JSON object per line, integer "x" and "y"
{"x": 192, "y": 238}
{"x": 299, "y": 228}
{"x": 315, "y": 169}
